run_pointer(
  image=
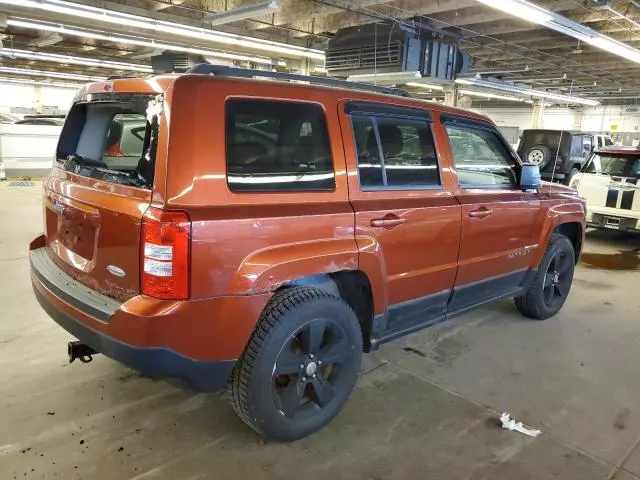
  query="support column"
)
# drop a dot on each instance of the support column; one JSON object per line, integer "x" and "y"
{"x": 538, "y": 113}
{"x": 450, "y": 95}
{"x": 577, "y": 119}
{"x": 305, "y": 66}
{"x": 37, "y": 98}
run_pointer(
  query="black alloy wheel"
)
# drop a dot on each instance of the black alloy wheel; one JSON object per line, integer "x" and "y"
{"x": 310, "y": 368}
{"x": 552, "y": 282}
{"x": 557, "y": 279}
{"x": 300, "y": 365}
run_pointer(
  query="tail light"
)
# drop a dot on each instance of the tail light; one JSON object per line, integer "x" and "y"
{"x": 558, "y": 161}
{"x": 166, "y": 245}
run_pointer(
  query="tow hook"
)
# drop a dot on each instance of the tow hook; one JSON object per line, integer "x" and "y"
{"x": 80, "y": 351}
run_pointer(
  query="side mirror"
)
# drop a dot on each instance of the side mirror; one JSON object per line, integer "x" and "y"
{"x": 530, "y": 177}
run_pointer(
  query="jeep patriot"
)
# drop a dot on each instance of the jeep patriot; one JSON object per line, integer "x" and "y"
{"x": 261, "y": 235}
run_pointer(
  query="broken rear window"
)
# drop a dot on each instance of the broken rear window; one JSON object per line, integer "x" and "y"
{"x": 112, "y": 138}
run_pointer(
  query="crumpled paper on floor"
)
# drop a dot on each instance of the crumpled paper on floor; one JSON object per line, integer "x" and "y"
{"x": 511, "y": 424}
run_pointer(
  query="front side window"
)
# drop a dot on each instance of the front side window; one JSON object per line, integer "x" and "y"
{"x": 481, "y": 158}
{"x": 276, "y": 146}
{"x": 587, "y": 146}
{"x": 395, "y": 153}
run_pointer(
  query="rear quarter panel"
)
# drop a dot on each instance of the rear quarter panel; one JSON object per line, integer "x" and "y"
{"x": 248, "y": 243}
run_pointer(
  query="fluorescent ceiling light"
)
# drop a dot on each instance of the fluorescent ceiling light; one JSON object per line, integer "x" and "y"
{"x": 392, "y": 77}
{"x": 474, "y": 93}
{"x": 506, "y": 87}
{"x": 36, "y": 82}
{"x": 424, "y": 85}
{"x": 613, "y": 46}
{"x": 533, "y": 13}
{"x": 71, "y": 60}
{"x": 243, "y": 13}
{"x": 137, "y": 21}
{"x": 43, "y": 73}
{"x": 525, "y": 10}
{"x": 142, "y": 42}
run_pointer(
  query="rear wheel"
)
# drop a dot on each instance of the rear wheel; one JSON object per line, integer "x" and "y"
{"x": 552, "y": 283}
{"x": 300, "y": 365}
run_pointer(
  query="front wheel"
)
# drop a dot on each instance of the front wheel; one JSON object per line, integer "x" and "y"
{"x": 300, "y": 365}
{"x": 552, "y": 282}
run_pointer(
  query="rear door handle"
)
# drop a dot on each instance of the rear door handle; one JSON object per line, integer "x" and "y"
{"x": 480, "y": 213}
{"x": 388, "y": 221}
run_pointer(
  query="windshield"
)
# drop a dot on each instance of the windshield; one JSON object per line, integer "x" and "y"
{"x": 111, "y": 138}
{"x": 615, "y": 165}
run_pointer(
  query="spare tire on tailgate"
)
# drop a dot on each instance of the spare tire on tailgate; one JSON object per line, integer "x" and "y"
{"x": 539, "y": 155}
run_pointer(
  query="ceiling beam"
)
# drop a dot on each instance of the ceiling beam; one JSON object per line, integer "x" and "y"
{"x": 363, "y": 11}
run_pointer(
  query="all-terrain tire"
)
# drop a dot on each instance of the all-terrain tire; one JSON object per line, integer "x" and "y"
{"x": 552, "y": 283}
{"x": 253, "y": 385}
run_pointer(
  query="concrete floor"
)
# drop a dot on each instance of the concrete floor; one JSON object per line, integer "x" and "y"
{"x": 424, "y": 407}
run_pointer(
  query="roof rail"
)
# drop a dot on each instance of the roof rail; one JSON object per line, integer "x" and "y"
{"x": 123, "y": 75}
{"x": 224, "y": 71}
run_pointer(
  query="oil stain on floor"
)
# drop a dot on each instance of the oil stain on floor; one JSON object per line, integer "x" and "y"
{"x": 623, "y": 260}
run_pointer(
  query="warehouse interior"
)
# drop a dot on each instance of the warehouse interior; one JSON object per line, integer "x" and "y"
{"x": 427, "y": 405}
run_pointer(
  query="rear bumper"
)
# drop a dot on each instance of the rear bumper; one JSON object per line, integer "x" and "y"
{"x": 199, "y": 375}
{"x": 196, "y": 341}
{"x": 553, "y": 176}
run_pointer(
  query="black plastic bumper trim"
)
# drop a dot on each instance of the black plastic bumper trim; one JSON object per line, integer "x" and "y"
{"x": 200, "y": 375}
{"x": 70, "y": 291}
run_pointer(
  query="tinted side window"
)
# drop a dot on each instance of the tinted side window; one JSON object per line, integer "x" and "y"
{"x": 577, "y": 146}
{"x": 395, "y": 153}
{"x": 481, "y": 157}
{"x": 277, "y": 146}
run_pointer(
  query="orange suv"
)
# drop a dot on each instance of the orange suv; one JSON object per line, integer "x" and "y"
{"x": 263, "y": 234}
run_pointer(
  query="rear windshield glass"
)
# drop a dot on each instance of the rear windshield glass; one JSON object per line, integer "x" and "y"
{"x": 111, "y": 139}
{"x": 615, "y": 165}
{"x": 277, "y": 146}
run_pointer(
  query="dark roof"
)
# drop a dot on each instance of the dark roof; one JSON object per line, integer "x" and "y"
{"x": 570, "y": 132}
{"x": 618, "y": 149}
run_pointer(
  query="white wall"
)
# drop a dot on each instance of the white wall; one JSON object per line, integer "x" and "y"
{"x": 610, "y": 118}
{"x": 27, "y": 96}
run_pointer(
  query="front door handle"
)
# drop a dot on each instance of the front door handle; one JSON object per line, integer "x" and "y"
{"x": 388, "y": 221}
{"x": 480, "y": 213}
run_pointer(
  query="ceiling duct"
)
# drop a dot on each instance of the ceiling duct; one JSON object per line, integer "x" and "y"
{"x": 169, "y": 62}
{"x": 386, "y": 48}
{"x": 242, "y": 13}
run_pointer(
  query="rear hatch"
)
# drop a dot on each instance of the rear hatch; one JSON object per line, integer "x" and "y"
{"x": 548, "y": 149}
{"x": 612, "y": 180}
{"x": 97, "y": 194}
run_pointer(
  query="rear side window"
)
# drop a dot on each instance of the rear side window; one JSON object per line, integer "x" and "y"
{"x": 395, "y": 153}
{"x": 277, "y": 146}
